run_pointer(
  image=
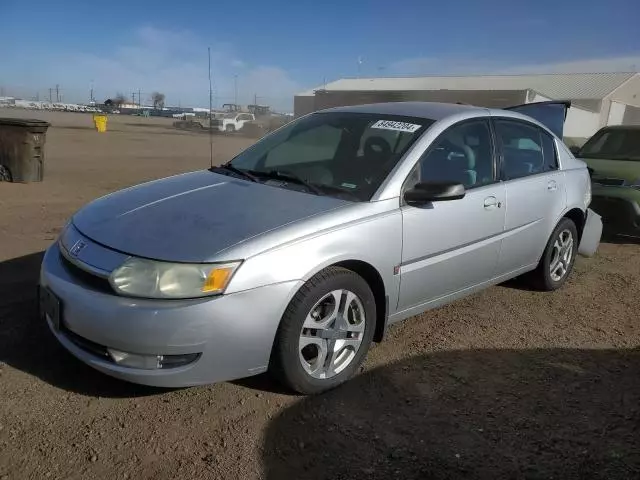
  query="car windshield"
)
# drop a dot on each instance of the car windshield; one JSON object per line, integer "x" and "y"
{"x": 342, "y": 154}
{"x": 616, "y": 144}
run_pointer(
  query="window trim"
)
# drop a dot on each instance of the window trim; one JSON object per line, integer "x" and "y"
{"x": 494, "y": 153}
{"x": 555, "y": 152}
{"x": 500, "y": 152}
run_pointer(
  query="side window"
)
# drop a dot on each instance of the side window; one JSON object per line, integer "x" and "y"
{"x": 522, "y": 149}
{"x": 462, "y": 154}
{"x": 244, "y": 116}
{"x": 313, "y": 145}
{"x": 549, "y": 152}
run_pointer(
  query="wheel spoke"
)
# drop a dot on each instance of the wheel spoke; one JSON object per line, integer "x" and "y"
{"x": 339, "y": 356}
{"x": 316, "y": 364}
{"x": 314, "y": 321}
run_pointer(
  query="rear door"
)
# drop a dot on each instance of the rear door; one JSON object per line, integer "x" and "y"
{"x": 535, "y": 190}
{"x": 551, "y": 114}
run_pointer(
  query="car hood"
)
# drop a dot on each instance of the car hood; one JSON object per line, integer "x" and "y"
{"x": 628, "y": 171}
{"x": 194, "y": 216}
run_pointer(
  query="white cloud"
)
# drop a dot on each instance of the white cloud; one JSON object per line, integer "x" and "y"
{"x": 591, "y": 65}
{"x": 172, "y": 62}
{"x": 456, "y": 66}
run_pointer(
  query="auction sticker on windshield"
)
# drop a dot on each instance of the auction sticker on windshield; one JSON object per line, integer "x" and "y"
{"x": 396, "y": 126}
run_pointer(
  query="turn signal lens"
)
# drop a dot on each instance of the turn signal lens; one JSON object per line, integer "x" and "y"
{"x": 217, "y": 279}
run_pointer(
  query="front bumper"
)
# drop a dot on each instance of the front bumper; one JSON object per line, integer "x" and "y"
{"x": 620, "y": 211}
{"x": 232, "y": 333}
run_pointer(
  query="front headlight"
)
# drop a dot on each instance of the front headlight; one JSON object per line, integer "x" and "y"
{"x": 138, "y": 277}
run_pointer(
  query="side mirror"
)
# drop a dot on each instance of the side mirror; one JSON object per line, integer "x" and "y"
{"x": 574, "y": 149}
{"x": 434, "y": 192}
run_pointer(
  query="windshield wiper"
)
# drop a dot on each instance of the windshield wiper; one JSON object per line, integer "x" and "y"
{"x": 238, "y": 171}
{"x": 288, "y": 176}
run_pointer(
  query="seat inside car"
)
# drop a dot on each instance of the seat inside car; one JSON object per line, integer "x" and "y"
{"x": 452, "y": 160}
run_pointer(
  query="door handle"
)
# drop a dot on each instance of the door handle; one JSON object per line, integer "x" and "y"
{"x": 490, "y": 203}
{"x": 552, "y": 185}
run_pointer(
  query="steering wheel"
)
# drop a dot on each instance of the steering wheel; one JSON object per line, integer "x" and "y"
{"x": 377, "y": 147}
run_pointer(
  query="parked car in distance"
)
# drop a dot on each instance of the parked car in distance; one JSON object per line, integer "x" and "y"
{"x": 298, "y": 253}
{"x": 613, "y": 154}
{"x": 232, "y": 121}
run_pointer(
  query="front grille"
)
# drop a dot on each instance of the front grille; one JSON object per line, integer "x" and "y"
{"x": 88, "y": 279}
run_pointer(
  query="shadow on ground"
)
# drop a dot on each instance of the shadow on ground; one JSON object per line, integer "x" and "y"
{"x": 530, "y": 414}
{"x": 27, "y": 344}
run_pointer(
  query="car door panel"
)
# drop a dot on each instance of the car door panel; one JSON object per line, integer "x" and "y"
{"x": 535, "y": 191}
{"x": 450, "y": 246}
{"x": 532, "y": 205}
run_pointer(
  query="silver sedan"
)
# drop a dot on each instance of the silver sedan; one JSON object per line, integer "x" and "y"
{"x": 301, "y": 251}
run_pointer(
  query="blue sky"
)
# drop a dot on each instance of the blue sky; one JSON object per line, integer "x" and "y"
{"x": 277, "y": 48}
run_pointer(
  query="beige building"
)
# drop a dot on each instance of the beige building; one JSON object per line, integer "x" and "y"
{"x": 598, "y": 99}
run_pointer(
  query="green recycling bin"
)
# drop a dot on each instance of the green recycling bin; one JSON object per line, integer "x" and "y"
{"x": 22, "y": 149}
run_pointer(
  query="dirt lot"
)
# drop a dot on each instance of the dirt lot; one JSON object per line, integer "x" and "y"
{"x": 506, "y": 384}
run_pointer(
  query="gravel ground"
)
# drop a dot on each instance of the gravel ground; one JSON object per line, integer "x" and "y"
{"x": 508, "y": 383}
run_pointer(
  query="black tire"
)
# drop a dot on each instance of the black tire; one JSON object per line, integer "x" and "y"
{"x": 285, "y": 363}
{"x": 5, "y": 174}
{"x": 229, "y": 129}
{"x": 541, "y": 278}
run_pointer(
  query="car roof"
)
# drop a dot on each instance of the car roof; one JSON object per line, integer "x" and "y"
{"x": 428, "y": 110}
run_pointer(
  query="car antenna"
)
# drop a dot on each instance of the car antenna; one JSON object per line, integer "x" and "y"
{"x": 210, "y": 109}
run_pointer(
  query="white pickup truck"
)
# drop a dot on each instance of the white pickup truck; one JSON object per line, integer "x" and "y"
{"x": 232, "y": 121}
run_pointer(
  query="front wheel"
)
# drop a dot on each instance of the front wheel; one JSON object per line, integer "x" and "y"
{"x": 325, "y": 332}
{"x": 558, "y": 258}
{"x": 230, "y": 129}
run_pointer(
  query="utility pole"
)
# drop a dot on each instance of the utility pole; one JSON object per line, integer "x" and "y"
{"x": 235, "y": 87}
{"x": 50, "y": 100}
{"x": 133, "y": 97}
{"x": 91, "y": 94}
{"x": 139, "y": 99}
{"x": 57, "y": 93}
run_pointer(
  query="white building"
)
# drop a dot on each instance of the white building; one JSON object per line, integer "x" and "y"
{"x": 598, "y": 99}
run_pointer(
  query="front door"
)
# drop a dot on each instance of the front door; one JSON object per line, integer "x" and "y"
{"x": 453, "y": 245}
{"x": 535, "y": 191}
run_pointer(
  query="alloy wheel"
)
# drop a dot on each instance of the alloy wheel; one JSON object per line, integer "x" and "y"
{"x": 332, "y": 334}
{"x": 561, "y": 255}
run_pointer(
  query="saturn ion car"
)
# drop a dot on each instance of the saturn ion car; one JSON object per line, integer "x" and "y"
{"x": 301, "y": 251}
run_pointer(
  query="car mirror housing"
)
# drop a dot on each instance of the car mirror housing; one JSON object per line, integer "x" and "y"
{"x": 428, "y": 192}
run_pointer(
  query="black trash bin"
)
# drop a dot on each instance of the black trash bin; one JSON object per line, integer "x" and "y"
{"x": 22, "y": 149}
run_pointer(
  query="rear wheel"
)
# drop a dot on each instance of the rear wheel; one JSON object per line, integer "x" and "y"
{"x": 558, "y": 258}
{"x": 325, "y": 332}
{"x": 5, "y": 174}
